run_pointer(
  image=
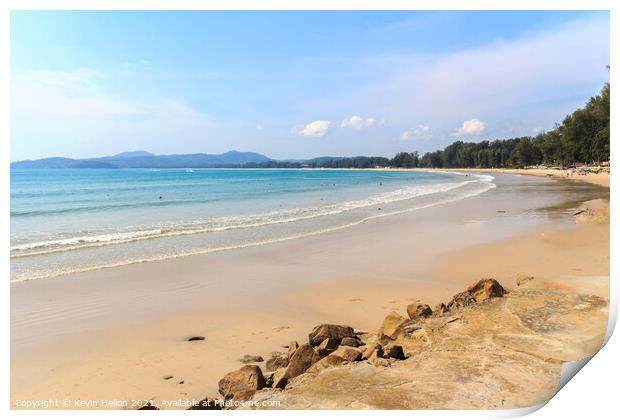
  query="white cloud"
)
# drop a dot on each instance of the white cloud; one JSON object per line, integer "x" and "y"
{"x": 259, "y": 126}
{"x": 473, "y": 127}
{"x": 357, "y": 123}
{"x": 421, "y": 132}
{"x": 316, "y": 128}
{"x": 525, "y": 79}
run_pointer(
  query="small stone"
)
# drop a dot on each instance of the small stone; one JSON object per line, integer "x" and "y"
{"x": 196, "y": 338}
{"x": 167, "y": 377}
{"x": 148, "y": 406}
{"x": 251, "y": 359}
{"x": 440, "y": 309}
{"x": 418, "y": 310}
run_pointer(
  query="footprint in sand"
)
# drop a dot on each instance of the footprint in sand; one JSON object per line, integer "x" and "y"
{"x": 284, "y": 327}
{"x": 356, "y": 300}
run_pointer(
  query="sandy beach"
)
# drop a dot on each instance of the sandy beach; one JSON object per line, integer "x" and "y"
{"x": 115, "y": 334}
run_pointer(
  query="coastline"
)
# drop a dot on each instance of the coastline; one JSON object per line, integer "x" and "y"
{"x": 601, "y": 179}
{"x": 117, "y": 339}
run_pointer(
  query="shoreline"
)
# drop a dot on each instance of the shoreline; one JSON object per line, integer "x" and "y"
{"x": 105, "y": 348}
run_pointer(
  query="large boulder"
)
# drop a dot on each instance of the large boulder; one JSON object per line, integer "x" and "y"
{"x": 276, "y": 363}
{"x": 350, "y": 354}
{"x": 324, "y": 331}
{"x": 486, "y": 289}
{"x": 391, "y": 325}
{"x": 241, "y": 384}
{"x": 304, "y": 357}
{"x": 327, "y": 361}
{"x": 419, "y": 310}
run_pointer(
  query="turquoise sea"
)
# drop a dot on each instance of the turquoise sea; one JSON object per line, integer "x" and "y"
{"x": 65, "y": 221}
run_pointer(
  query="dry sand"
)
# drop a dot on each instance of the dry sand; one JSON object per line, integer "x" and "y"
{"x": 116, "y": 333}
{"x": 602, "y": 179}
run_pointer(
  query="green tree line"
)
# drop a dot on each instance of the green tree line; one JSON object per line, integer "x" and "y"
{"x": 583, "y": 137}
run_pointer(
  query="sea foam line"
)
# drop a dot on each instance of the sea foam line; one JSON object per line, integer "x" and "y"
{"x": 225, "y": 224}
{"x": 487, "y": 185}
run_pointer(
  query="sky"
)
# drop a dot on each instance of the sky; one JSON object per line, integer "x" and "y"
{"x": 295, "y": 84}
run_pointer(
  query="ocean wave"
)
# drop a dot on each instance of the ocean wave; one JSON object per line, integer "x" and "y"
{"x": 485, "y": 185}
{"x": 29, "y": 249}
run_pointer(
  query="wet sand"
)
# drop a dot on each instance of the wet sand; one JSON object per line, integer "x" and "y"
{"x": 116, "y": 333}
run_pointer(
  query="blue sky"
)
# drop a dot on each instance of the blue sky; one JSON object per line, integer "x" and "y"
{"x": 295, "y": 84}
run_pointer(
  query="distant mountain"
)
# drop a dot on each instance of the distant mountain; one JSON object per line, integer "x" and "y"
{"x": 142, "y": 159}
{"x": 136, "y": 153}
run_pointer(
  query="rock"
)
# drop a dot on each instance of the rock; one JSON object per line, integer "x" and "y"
{"x": 440, "y": 309}
{"x": 276, "y": 363}
{"x": 391, "y": 325}
{"x": 279, "y": 379}
{"x": 394, "y": 351}
{"x": 461, "y": 300}
{"x": 148, "y": 406}
{"x": 350, "y": 354}
{"x": 195, "y": 338}
{"x": 207, "y": 404}
{"x": 352, "y": 342}
{"x": 302, "y": 359}
{"x": 167, "y": 377}
{"x": 417, "y": 311}
{"x": 322, "y": 352}
{"x": 373, "y": 351}
{"x": 486, "y": 289}
{"x": 327, "y": 361}
{"x": 324, "y": 331}
{"x": 242, "y": 383}
{"x": 329, "y": 344}
{"x": 292, "y": 348}
{"x": 251, "y": 359}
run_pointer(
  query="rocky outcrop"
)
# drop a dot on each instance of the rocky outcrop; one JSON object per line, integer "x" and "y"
{"x": 242, "y": 384}
{"x": 486, "y": 352}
